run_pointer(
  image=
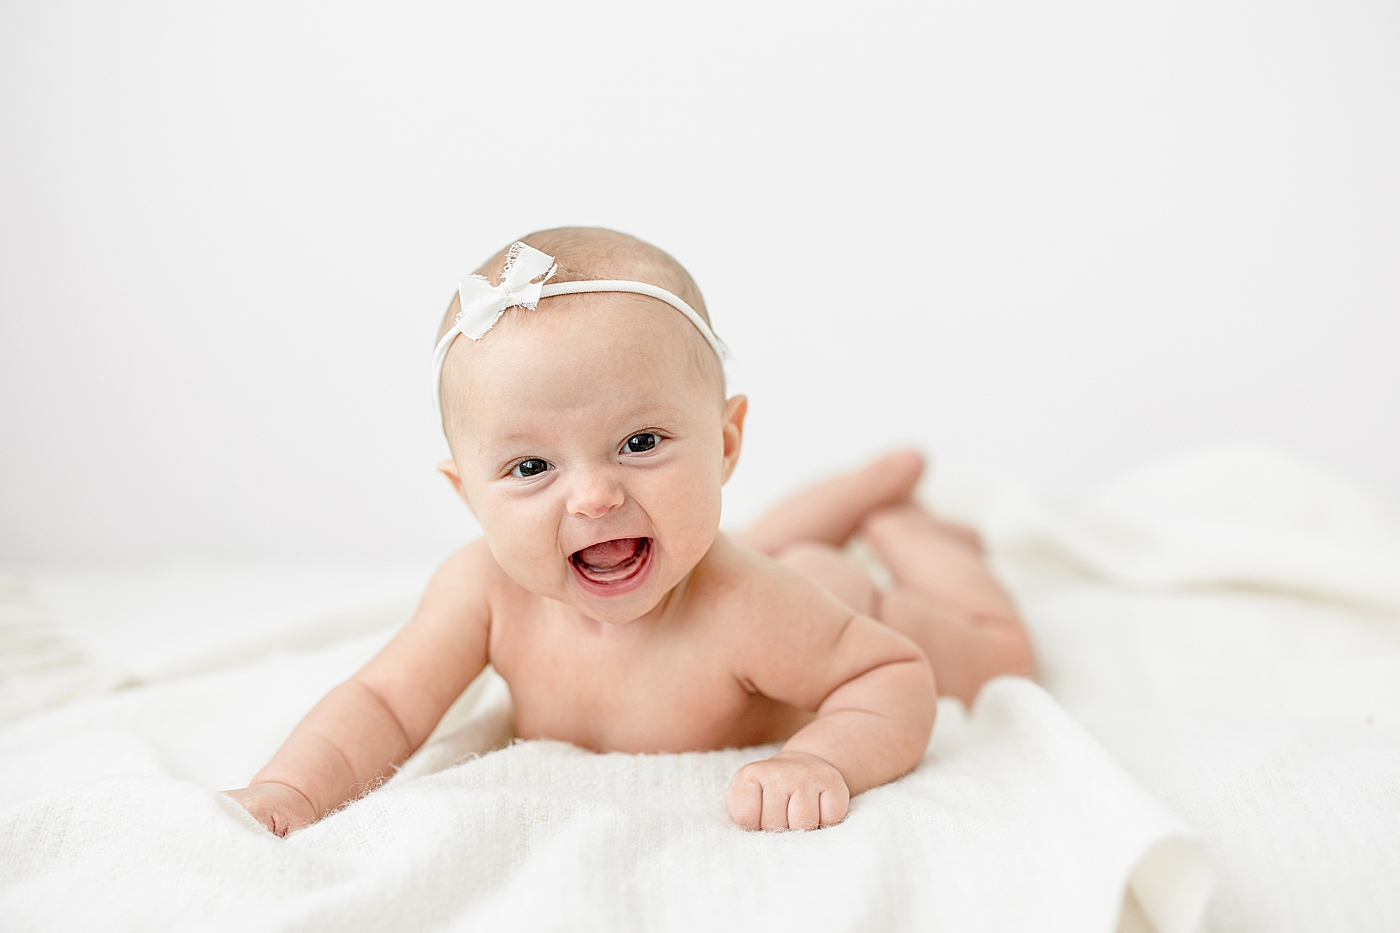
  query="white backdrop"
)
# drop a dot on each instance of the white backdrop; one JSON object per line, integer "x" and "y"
{"x": 1045, "y": 240}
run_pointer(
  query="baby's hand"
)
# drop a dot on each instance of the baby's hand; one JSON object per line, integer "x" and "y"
{"x": 791, "y": 790}
{"x": 280, "y": 807}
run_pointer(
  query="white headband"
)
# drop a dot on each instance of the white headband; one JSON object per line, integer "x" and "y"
{"x": 484, "y": 303}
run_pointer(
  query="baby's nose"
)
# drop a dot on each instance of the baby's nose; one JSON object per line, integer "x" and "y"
{"x": 595, "y": 494}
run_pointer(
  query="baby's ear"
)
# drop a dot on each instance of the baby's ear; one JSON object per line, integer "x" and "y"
{"x": 448, "y": 468}
{"x": 734, "y": 411}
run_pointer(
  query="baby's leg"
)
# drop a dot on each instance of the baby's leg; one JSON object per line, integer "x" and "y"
{"x": 941, "y": 560}
{"x": 944, "y": 599}
{"x": 830, "y": 511}
{"x": 947, "y": 601}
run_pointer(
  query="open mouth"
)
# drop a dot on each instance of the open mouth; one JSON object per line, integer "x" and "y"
{"x": 612, "y": 567}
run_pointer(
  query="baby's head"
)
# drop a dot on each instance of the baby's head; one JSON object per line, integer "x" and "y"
{"x": 590, "y": 436}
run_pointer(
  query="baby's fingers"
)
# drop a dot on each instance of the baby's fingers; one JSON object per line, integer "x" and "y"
{"x": 775, "y": 808}
{"x": 804, "y": 809}
{"x": 835, "y": 801}
{"x": 744, "y": 801}
{"x": 278, "y": 807}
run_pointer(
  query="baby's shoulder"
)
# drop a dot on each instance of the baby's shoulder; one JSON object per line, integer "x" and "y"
{"x": 755, "y": 592}
{"x": 473, "y": 574}
{"x": 473, "y": 560}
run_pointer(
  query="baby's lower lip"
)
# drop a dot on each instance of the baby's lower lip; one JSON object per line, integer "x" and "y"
{"x": 615, "y": 581}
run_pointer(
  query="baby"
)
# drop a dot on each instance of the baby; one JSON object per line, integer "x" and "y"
{"x": 583, "y": 399}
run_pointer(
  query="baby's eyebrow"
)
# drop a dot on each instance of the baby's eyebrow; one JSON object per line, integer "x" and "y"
{"x": 512, "y": 443}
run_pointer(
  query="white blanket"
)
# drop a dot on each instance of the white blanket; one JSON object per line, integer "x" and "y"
{"x": 1015, "y": 821}
{"x": 1227, "y": 624}
{"x": 1258, "y": 702}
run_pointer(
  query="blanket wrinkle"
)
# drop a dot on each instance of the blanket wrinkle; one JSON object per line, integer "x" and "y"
{"x": 40, "y": 666}
{"x": 1235, "y": 515}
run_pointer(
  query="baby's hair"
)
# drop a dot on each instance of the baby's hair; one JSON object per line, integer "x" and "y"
{"x": 594, "y": 253}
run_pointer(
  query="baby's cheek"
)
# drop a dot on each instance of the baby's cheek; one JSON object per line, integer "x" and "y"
{"x": 707, "y": 495}
{"x": 694, "y": 514}
{"x": 537, "y": 572}
{"x": 524, "y": 551}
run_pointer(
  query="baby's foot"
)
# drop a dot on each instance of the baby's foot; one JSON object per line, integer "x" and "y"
{"x": 830, "y": 511}
{"x": 890, "y": 480}
{"x": 891, "y": 528}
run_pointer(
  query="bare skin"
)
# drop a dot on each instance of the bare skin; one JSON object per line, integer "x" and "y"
{"x": 592, "y": 449}
{"x": 944, "y": 598}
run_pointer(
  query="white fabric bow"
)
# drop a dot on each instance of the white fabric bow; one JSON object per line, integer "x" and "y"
{"x": 484, "y": 303}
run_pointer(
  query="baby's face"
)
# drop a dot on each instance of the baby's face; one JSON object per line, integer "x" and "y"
{"x": 591, "y": 445}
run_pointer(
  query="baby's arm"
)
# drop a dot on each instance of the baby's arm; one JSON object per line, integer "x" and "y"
{"x": 873, "y": 692}
{"x": 370, "y": 724}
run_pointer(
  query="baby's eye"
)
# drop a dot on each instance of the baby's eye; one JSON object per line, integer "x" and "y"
{"x": 532, "y": 467}
{"x": 641, "y": 443}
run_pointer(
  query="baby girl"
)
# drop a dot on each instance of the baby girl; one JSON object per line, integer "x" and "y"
{"x": 583, "y": 399}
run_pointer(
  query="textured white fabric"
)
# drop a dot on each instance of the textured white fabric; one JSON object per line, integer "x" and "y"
{"x": 1014, "y": 821}
{"x": 1263, "y": 713}
{"x": 1240, "y": 515}
{"x": 1225, "y": 623}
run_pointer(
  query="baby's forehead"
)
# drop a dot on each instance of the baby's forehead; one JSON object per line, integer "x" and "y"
{"x": 615, "y": 336}
{"x": 602, "y": 356}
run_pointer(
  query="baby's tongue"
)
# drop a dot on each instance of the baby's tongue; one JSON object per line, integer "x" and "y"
{"x": 609, "y": 555}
